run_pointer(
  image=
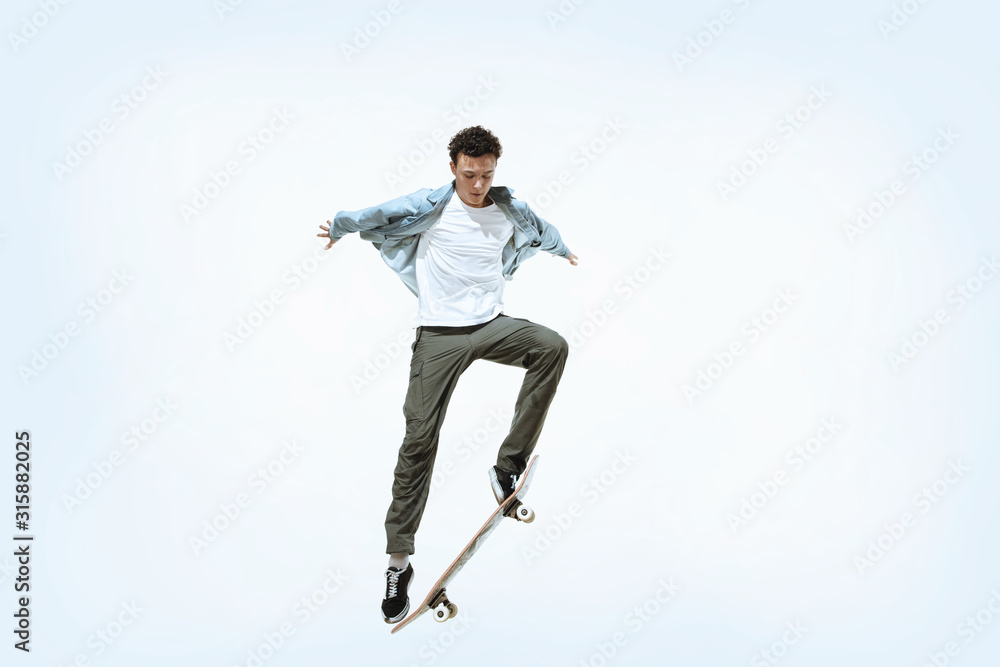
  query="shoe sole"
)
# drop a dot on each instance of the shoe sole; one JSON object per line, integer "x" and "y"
{"x": 401, "y": 615}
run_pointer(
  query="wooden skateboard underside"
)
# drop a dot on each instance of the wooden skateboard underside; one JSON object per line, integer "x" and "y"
{"x": 438, "y": 594}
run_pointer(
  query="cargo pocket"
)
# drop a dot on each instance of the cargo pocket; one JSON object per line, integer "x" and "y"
{"x": 413, "y": 406}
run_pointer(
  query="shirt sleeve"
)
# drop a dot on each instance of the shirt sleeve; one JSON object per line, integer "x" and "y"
{"x": 373, "y": 217}
{"x": 551, "y": 240}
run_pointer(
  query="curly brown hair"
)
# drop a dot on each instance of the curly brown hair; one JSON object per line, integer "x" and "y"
{"x": 474, "y": 141}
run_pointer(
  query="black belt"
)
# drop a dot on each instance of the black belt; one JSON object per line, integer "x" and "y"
{"x": 457, "y": 330}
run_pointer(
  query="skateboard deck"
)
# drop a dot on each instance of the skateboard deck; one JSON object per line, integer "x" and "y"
{"x": 437, "y": 600}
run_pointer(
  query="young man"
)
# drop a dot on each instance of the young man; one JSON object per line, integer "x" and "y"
{"x": 454, "y": 253}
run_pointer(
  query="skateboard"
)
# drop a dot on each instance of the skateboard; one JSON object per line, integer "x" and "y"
{"x": 437, "y": 600}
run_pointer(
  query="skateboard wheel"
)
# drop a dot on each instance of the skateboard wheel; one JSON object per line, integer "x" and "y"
{"x": 452, "y": 610}
{"x": 525, "y": 514}
{"x": 442, "y": 613}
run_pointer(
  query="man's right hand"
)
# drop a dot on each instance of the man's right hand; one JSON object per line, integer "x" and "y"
{"x": 326, "y": 233}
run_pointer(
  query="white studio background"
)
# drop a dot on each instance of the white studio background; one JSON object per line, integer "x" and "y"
{"x": 776, "y": 437}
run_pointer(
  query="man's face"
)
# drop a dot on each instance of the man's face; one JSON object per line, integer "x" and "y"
{"x": 473, "y": 176}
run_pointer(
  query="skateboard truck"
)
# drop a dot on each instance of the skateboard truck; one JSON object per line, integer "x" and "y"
{"x": 443, "y": 607}
{"x": 521, "y": 512}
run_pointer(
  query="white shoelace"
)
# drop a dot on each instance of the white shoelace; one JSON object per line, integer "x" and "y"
{"x": 393, "y": 578}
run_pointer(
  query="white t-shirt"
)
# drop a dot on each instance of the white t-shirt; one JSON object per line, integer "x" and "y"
{"x": 459, "y": 265}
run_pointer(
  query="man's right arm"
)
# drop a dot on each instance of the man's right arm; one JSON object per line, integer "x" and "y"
{"x": 373, "y": 217}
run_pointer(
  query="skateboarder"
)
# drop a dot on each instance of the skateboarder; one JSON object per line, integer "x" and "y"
{"x": 454, "y": 248}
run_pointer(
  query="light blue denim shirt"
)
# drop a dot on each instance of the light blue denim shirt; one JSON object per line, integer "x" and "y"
{"x": 394, "y": 226}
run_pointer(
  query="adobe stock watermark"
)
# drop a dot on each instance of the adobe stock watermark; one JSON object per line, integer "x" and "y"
{"x": 901, "y": 14}
{"x": 714, "y": 28}
{"x": 264, "y": 308}
{"x": 884, "y": 199}
{"x": 302, "y": 611}
{"x": 797, "y": 457}
{"x": 375, "y": 366}
{"x": 435, "y": 648}
{"x": 924, "y": 500}
{"x": 229, "y": 511}
{"x": 562, "y": 12}
{"x": 107, "y": 635}
{"x": 248, "y": 150}
{"x": 971, "y": 627}
{"x": 627, "y": 286}
{"x": 32, "y": 25}
{"x": 591, "y": 491}
{"x": 136, "y": 437}
{"x": 365, "y": 34}
{"x": 123, "y": 106}
{"x": 584, "y": 155}
{"x": 437, "y": 138}
{"x": 224, "y": 7}
{"x": 390, "y": 351}
{"x": 779, "y": 648}
{"x": 87, "y": 310}
{"x": 963, "y": 293}
{"x": 787, "y": 126}
{"x": 497, "y": 420}
{"x": 752, "y": 331}
{"x": 635, "y": 619}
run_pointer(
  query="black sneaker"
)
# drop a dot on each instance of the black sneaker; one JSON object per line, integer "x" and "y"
{"x": 396, "y": 602}
{"x": 503, "y": 484}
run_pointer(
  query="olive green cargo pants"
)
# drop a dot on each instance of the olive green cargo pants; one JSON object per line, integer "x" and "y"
{"x": 440, "y": 356}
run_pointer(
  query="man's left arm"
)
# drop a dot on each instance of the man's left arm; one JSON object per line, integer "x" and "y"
{"x": 551, "y": 240}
